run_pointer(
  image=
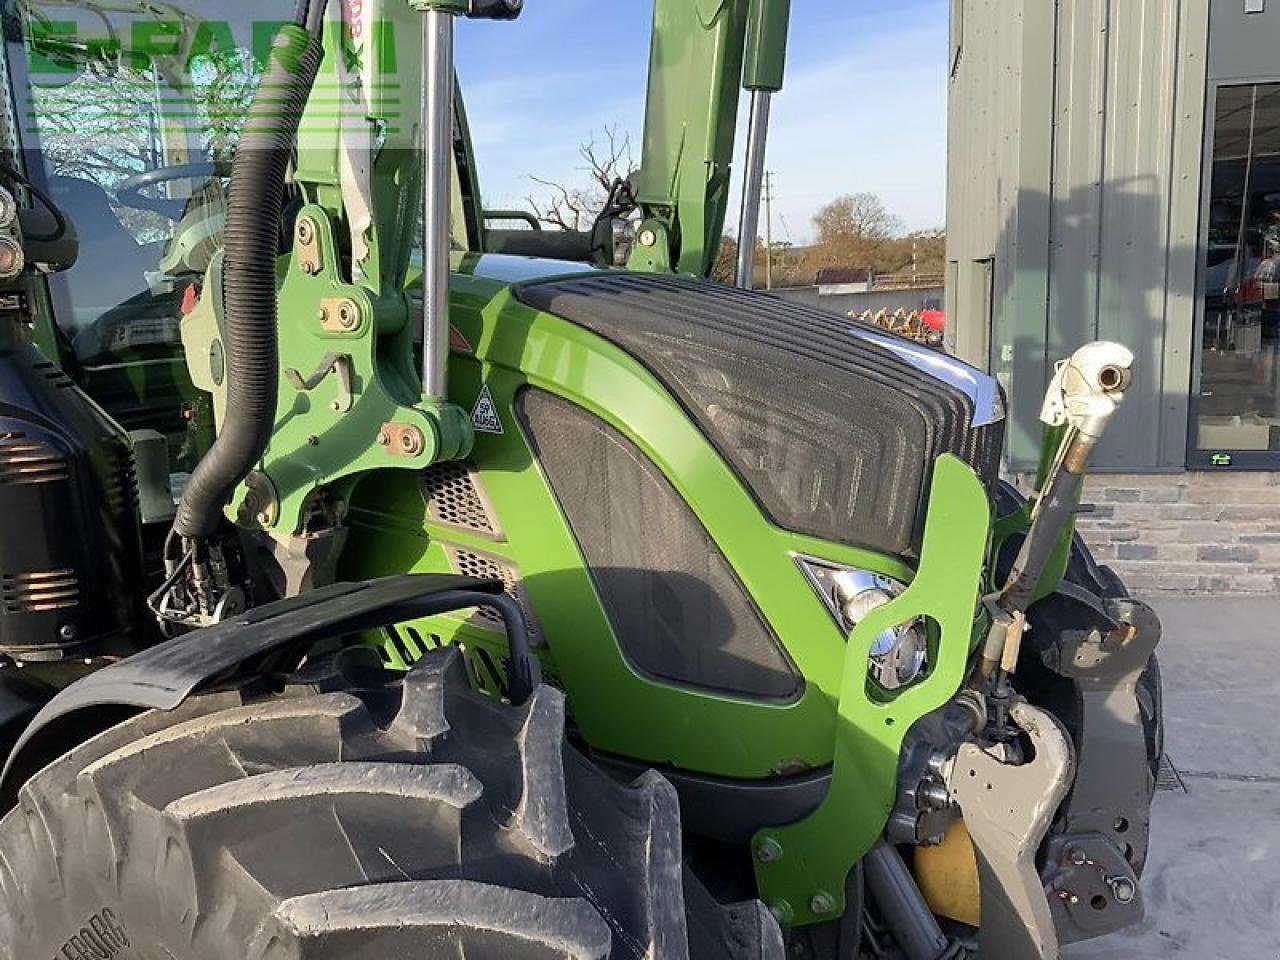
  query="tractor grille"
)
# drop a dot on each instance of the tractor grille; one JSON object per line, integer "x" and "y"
{"x": 482, "y": 567}
{"x": 455, "y": 498}
{"x": 833, "y": 427}
{"x": 39, "y": 592}
{"x": 30, "y": 461}
{"x": 676, "y": 606}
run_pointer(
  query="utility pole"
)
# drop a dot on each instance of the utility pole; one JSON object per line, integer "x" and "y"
{"x": 768, "y": 231}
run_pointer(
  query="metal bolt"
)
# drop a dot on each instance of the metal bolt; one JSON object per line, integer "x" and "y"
{"x": 322, "y": 315}
{"x": 1078, "y": 856}
{"x": 67, "y": 632}
{"x": 310, "y": 268}
{"x": 769, "y": 851}
{"x": 347, "y": 316}
{"x": 313, "y": 440}
{"x": 1122, "y": 889}
{"x": 647, "y": 238}
{"x": 822, "y": 903}
{"x": 384, "y": 438}
{"x": 306, "y": 230}
{"x": 934, "y": 795}
{"x": 264, "y": 518}
{"x": 411, "y": 442}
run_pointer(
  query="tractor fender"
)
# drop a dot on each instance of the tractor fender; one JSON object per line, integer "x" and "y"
{"x": 164, "y": 676}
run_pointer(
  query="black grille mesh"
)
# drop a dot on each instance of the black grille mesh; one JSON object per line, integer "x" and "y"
{"x": 485, "y": 567}
{"x": 676, "y": 607}
{"x": 835, "y": 434}
{"x": 453, "y": 496}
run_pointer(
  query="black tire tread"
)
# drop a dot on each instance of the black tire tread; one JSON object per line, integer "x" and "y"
{"x": 364, "y": 823}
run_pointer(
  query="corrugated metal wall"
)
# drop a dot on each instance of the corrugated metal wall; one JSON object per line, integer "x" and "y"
{"x": 1075, "y": 156}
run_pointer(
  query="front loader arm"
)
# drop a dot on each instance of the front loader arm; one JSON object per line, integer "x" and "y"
{"x": 703, "y": 53}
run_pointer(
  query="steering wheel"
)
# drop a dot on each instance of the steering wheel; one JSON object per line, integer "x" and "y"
{"x": 129, "y": 192}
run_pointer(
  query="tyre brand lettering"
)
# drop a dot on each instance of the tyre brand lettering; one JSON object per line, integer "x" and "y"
{"x": 101, "y": 938}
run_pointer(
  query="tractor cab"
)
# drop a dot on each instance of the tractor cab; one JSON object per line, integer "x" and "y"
{"x": 128, "y": 118}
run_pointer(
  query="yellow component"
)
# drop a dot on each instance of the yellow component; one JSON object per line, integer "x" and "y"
{"x": 948, "y": 876}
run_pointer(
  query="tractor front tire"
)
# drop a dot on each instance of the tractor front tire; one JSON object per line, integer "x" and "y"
{"x": 406, "y": 818}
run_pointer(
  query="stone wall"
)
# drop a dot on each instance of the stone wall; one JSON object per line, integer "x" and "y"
{"x": 1187, "y": 533}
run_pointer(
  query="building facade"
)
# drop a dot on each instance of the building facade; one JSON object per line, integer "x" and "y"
{"x": 1114, "y": 173}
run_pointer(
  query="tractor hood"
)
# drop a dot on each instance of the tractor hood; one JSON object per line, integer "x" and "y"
{"x": 833, "y": 426}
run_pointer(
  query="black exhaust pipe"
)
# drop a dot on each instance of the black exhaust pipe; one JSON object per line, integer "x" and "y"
{"x": 251, "y": 244}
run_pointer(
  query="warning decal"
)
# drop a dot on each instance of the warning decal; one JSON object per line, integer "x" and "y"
{"x": 484, "y": 417}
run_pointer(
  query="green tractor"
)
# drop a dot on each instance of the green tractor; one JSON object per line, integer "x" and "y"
{"x": 376, "y": 583}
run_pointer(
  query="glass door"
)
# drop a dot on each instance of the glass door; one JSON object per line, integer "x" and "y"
{"x": 1236, "y": 419}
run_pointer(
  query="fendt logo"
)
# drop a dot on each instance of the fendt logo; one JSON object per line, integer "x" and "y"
{"x": 101, "y": 938}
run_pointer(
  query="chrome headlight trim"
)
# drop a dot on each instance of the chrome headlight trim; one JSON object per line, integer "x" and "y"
{"x": 898, "y": 654}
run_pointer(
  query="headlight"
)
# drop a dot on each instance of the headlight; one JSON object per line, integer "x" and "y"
{"x": 898, "y": 654}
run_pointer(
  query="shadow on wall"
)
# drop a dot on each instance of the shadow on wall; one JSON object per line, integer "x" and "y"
{"x": 1109, "y": 270}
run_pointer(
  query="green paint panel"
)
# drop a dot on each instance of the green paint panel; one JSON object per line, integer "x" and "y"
{"x": 817, "y": 853}
{"x": 836, "y": 721}
{"x": 515, "y": 346}
{"x": 766, "y": 56}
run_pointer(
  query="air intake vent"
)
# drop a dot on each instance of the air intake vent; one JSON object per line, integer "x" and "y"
{"x": 24, "y": 460}
{"x": 39, "y": 592}
{"x": 483, "y": 567}
{"x": 677, "y": 607}
{"x": 54, "y": 374}
{"x": 455, "y": 498}
{"x": 121, "y": 483}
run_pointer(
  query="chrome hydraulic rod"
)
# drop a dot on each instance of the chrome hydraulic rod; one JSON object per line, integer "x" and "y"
{"x": 437, "y": 153}
{"x": 753, "y": 185}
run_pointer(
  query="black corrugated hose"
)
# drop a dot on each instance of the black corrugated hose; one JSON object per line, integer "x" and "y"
{"x": 251, "y": 244}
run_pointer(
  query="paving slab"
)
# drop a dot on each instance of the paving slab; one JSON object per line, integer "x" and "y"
{"x": 1213, "y": 880}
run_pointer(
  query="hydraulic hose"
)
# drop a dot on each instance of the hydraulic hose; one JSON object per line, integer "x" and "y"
{"x": 895, "y": 892}
{"x": 251, "y": 245}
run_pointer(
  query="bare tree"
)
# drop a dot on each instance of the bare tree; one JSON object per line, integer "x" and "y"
{"x": 855, "y": 230}
{"x": 576, "y": 207}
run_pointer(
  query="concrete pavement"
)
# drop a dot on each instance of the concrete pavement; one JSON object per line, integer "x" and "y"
{"x": 1213, "y": 880}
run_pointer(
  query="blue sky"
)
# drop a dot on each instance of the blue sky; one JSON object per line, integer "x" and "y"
{"x": 864, "y": 108}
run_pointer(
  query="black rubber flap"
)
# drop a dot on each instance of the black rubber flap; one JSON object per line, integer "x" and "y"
{"x": 162, "y": 677}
